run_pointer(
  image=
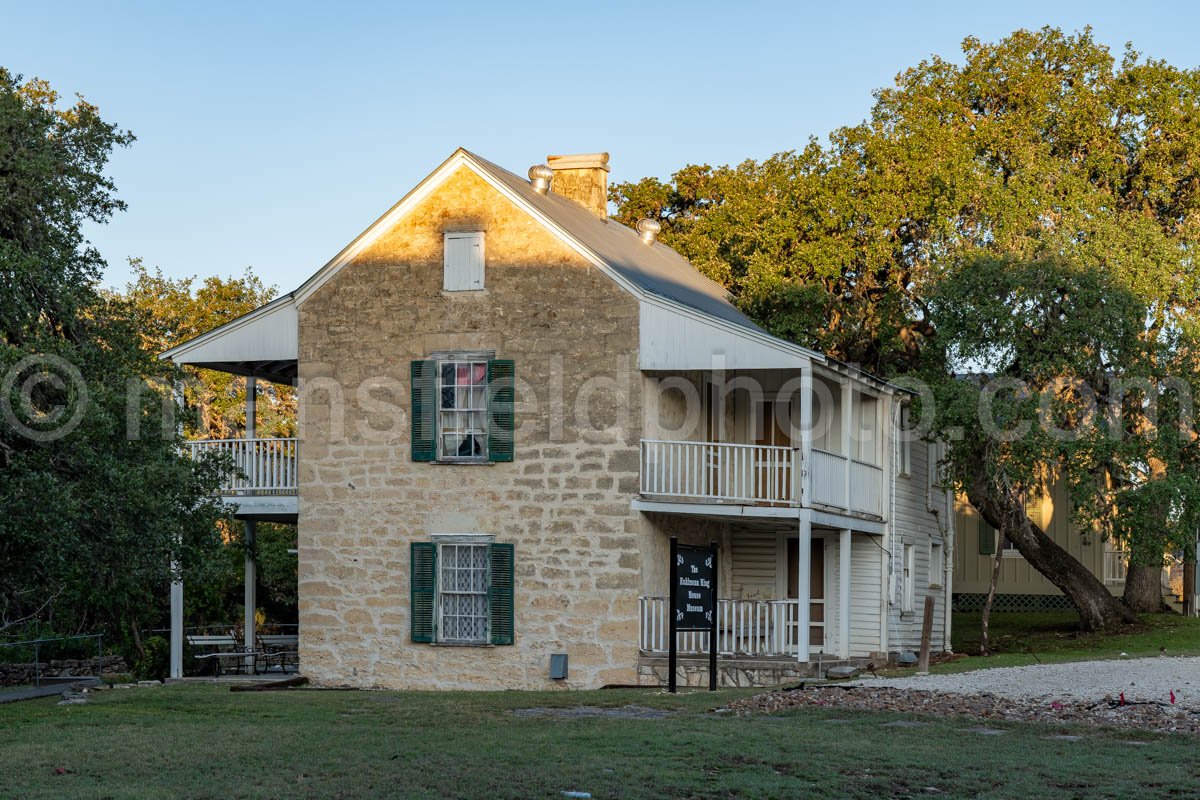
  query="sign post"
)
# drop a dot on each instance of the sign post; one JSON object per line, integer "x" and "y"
{"x": 693, "y": 603}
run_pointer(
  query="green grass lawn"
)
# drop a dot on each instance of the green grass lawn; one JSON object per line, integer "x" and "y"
{"x": 202, "y": 741}
{"x": 1018, "y": 639}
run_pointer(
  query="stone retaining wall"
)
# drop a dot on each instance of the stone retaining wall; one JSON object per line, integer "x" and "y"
{"x": 19, "y": 674}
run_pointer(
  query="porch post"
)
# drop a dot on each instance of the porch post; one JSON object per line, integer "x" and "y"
{"x": 251, "y": 530}
{"x": 251, "y": 590}
{"x": 176, "y": 624}
{"x": 847, "y": 441}
{"x": 844, "y": 545}
{"x": 803, "y": 586}
{"x": 806, "y": 433}
{"x": 177, "y": 582}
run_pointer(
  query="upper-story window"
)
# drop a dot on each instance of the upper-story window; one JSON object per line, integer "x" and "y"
{"x": 463, "y": 262}
{"x": 462, "y": 408}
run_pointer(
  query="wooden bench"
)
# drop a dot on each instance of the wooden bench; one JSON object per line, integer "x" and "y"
{"x": 282, "y": 648}
{"x": 227, "y": 649}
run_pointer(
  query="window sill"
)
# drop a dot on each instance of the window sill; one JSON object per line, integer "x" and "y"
{"x": 475, "y": 645}
{"x": 451, "y": 463}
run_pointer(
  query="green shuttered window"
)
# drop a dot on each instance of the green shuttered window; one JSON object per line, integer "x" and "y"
{"x": 424, "y": 410}
{"x": 424, "y": 583}
{"x": 501, "y": 398}
{"x": 462, "y": 592}
{"x": 500, "y": 594}
{"x": 463, "y": 409}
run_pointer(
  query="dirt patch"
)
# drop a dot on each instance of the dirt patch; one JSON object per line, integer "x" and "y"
{"x": 1157, "y": 717}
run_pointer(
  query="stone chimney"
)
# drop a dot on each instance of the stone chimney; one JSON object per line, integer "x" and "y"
{"x": 582, "y": 178}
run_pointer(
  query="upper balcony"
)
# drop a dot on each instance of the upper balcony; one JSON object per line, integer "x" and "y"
{"x": 760, "y": 476}
{"x": 262, "y": 484}
{"x": 765, "y": 443}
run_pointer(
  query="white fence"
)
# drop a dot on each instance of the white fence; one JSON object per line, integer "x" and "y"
{"x": 261, "y": 466}
{"x": 741, "y": 473}
{"x": 745, "y": 628}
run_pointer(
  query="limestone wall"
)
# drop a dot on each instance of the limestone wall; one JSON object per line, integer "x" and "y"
{"x": 564, "y": 502}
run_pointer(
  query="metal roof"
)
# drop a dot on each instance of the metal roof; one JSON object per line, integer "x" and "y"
{"x": 653, "y": 268}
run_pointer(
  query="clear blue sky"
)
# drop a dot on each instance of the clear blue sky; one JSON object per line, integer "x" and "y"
{"x": 269, "y": 135}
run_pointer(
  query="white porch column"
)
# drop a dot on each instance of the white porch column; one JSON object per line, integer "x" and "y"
{"x": 844, "y": 543}
{"x": 176, "y": 626}
{"x": 803, "y": 587}
{"x": 249, "y": 627}
{"x": 847, "y": 421}
{"x": 806, "y": 433}
{"x": 177, "y": 577}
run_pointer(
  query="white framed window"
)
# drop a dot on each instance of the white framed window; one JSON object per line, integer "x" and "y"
{"x": 462, "y": 407}
{"x": 908, "y": 575}
{"x": 463, "y": 579}
{"x": 463, "y": 261}
{"x": 937, "y": 564}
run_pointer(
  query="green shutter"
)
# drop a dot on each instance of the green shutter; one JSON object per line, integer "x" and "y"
{"x": 500, "y": 593}
{"x": 501, "y": 398}
{"x": 423, "y": 580}
{"x": 987, "y": 539}
{"x": 424, "y": 410}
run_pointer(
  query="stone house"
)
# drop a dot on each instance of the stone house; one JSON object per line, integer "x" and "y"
{"x": 510, "y": 403}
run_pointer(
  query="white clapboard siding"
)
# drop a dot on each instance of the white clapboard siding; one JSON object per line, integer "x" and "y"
{"x": 463, "y": 262}
{"x": 865, "y": 588}
{"x": 915, "y": 525}
{"x": 754, "y": 565}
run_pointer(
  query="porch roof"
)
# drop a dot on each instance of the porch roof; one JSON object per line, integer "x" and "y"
{"x": 261, "y": 344}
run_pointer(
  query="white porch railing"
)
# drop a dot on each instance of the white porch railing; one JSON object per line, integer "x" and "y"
{"x": 262, "y": 466}
{"x": 828, "y": 478}
{"x": 745, "y": 628}
{"x": 866, "y": 488}
{"x": 737, "y": 473}
{"x": 1116, "y": 564}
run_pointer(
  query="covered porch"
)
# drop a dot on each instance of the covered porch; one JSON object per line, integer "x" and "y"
{"x": 796, "y": 594}
{"x": 262, "y": 485}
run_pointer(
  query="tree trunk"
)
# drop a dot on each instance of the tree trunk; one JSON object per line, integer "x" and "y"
{"x": 984, "y": 641}
{"x": 1143, "y": 589}
{"x": 1003, "y": 510}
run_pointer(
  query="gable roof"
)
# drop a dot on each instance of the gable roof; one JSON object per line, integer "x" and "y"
{"x": 653, "y": 268}
{"x": 655, "y": 273}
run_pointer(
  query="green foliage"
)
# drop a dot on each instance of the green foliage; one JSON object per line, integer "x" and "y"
{"x": 1030, "y": 212}
{"x": 172, "y": 311}
{"x": 1039, "y": 145}
{"x": 96, "y": 501}
{"x": 155, "y": 662}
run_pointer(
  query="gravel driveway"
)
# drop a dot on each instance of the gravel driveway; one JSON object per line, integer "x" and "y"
{"x": 1139, "y": 678}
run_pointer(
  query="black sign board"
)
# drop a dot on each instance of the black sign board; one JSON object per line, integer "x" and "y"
{"x": 693, "y": 603}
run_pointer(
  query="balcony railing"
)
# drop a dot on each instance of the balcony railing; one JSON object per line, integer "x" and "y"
{"x": 261, "y": 466}
{"x": 745, "y": 628}
{"x": 734, "y": 473}
{"x": 758, "y": 475}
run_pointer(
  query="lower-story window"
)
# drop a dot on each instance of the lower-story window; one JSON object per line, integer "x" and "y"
{"x": 462, "y": 591}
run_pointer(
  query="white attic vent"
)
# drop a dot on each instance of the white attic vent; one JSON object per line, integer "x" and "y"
{"x": 462, "y": 266}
